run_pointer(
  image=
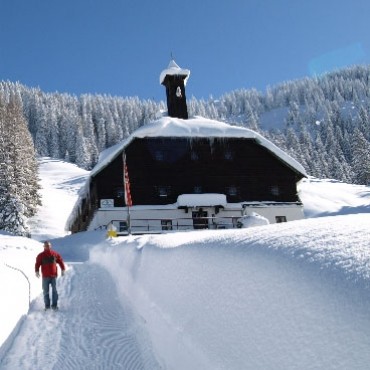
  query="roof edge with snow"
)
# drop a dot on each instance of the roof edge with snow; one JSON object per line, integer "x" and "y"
{"x": 194, "y": 127}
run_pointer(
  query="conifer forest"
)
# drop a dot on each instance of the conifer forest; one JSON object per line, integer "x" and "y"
{"x": 322, "y": 122}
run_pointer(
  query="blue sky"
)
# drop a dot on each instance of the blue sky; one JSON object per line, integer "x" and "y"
{"x": 119, "y": 47}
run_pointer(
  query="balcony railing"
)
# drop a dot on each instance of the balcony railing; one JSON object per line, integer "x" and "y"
{"x": 160, "y": 225}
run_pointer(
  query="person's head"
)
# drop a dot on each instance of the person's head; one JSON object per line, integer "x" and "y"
{"x": 47, "y": 245}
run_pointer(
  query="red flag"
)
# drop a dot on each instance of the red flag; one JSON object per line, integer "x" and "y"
{"x": 126, "y": 183}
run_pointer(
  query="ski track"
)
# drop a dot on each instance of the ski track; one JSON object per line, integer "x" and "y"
{"x": 90, "y": 331}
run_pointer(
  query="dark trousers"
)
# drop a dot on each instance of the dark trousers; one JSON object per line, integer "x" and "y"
{"x": 46, "y": 283}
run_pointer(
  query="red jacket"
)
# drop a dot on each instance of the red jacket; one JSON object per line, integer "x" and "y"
{"x": 48, "y": 261}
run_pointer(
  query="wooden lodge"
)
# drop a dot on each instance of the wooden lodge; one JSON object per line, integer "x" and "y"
{"x": 180, "y": 174}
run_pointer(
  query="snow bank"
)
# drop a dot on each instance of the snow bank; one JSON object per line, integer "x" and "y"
{"x": 331, "y": 197}
{"x": 293, "y": 295}
{"x": 252, "y": 220}
{"x": 18, "y": 282}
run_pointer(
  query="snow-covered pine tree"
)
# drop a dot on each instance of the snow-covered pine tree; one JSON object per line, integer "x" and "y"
{"x": 360, "y": 158}
{"x": 18, "y": 168}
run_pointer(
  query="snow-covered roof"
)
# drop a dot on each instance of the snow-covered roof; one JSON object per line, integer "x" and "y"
{"x": 195, "y": 127}
{"x": 173, "y": 70}
{"x": 205, "y": 200}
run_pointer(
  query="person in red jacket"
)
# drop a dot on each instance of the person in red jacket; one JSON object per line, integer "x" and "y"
{"x": 48, "y": 260}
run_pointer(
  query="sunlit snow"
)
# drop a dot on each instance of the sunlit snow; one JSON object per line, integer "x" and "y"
{"x": 284, "y": 296}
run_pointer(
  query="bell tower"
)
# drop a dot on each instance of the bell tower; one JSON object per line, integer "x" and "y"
{"x": 174, "y": 79}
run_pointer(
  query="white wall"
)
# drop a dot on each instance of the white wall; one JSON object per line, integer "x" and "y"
{"x": 151, "y": 216}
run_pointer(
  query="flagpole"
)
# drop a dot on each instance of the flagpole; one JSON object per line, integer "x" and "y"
{"x": 128, "y": 220}
{"x": 128, "y": 200}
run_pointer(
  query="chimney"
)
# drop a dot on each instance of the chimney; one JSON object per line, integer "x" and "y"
{"x": 174, "y": 79}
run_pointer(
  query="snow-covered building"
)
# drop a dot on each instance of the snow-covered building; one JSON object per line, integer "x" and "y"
{"x": 178, "y": 173}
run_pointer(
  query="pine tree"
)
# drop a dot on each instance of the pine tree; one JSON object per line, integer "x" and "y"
{"x": 18, "y": 169}
{"x": 361, "y": 158}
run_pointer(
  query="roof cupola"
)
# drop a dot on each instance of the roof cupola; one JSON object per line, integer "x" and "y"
{"x": 174, "y": 79}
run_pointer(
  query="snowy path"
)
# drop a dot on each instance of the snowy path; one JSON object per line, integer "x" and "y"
{"x": 91, "y": 330}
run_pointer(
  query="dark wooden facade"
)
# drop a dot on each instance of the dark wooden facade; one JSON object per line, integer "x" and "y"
{"x": 161, "y": 169}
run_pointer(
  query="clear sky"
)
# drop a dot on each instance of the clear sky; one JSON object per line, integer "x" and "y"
{"x": 119, "y": 47}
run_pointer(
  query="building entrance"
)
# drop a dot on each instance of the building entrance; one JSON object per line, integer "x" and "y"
{"x": 200, "y": 219}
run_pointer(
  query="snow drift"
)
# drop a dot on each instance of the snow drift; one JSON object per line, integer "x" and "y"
{"x": 282, "y": 296}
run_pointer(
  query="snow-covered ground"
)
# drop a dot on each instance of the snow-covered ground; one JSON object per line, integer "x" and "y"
{"x": 60, "y": 181}
{"x": 282, "y": 296}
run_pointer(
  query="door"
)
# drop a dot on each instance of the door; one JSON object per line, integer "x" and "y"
{"x": 200, "y": 219}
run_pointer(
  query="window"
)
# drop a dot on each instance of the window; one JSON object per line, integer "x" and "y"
{"x": 120, "y": 192}
{"x": 122, "y": 226}
{"x": 159, "y": 156}
{"x": 166, "y": 224}
{"x": 119, "y": 197}
{"x": 275, "y": 191}
{"x": 228, "y": 155}
{"x": 232, "y": 191}
{"x": 162, "y": 190}
{"x": 197, "y": 189}
{"x": 280, "y": 219}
